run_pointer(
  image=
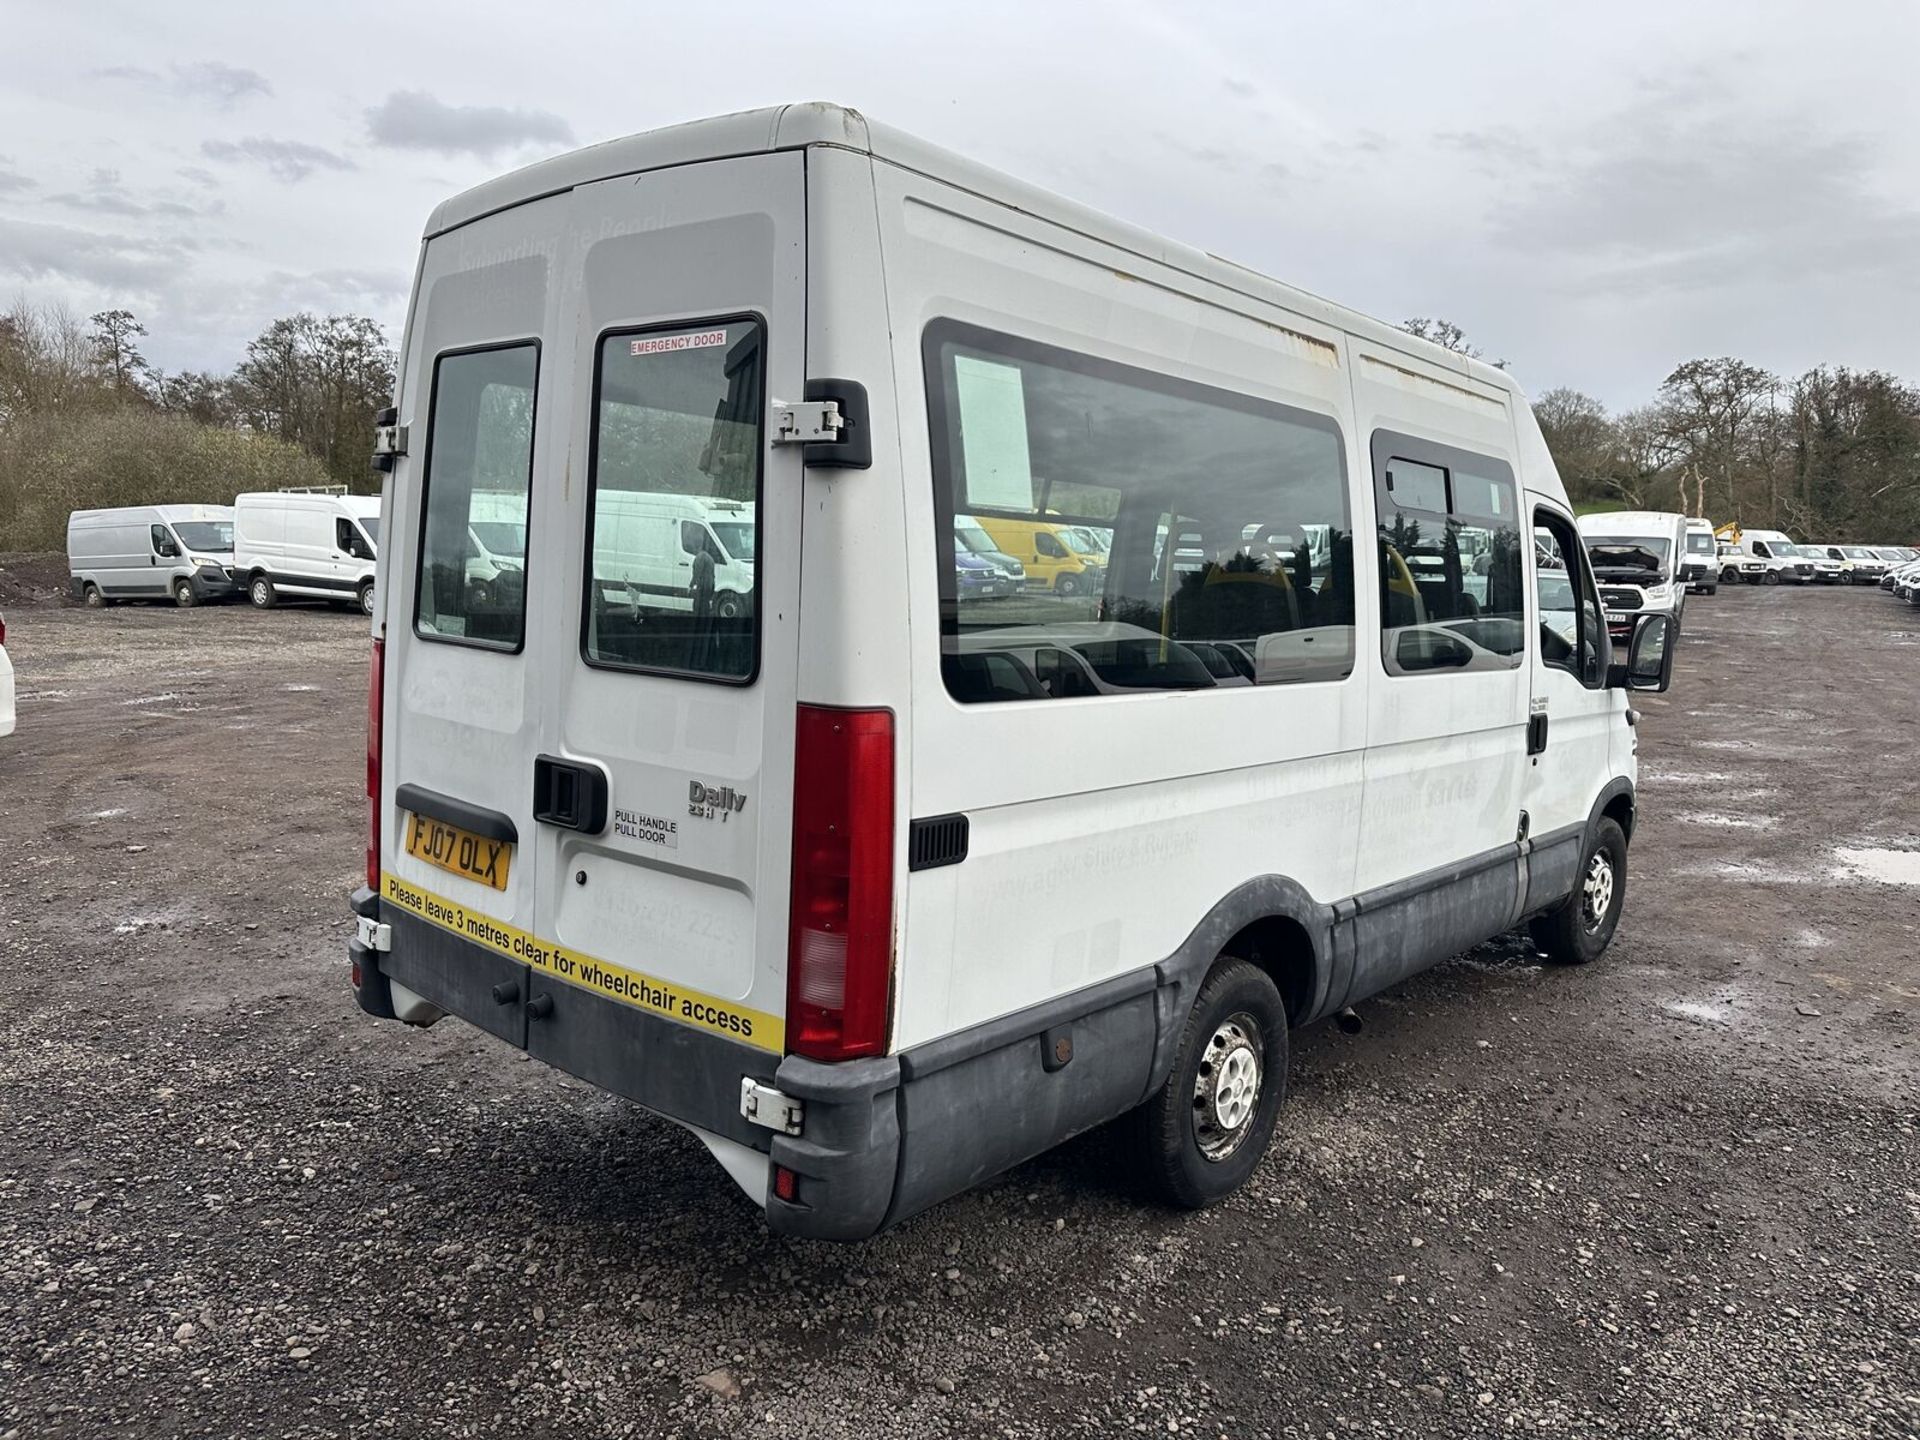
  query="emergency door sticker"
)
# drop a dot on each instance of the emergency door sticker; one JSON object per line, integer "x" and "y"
{"x": 663, "y": 344}
{"x": 630, "y": 987}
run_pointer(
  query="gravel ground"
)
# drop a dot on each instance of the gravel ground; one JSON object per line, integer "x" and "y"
{"x": 1675, "y": 1193}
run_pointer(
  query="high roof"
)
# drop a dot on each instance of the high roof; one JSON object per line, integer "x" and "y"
{"x": 788, "y": 127}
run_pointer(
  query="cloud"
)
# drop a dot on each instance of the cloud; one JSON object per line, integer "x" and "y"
{"x": 12, "y": 182}
{"x": 288, "y": 160}
{"x": 226, "y": 85}
{"x": 415, "y": 120}
{"x": 33, "y": 251}
{"x": 1696, "y": 192}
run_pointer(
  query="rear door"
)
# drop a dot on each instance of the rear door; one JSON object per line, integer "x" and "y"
{"x": 691, "y": 316}
{"x": 465, "y": 705}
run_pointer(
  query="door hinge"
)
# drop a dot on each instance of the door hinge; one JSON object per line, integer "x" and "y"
{"x": 764, "y": 1105}
{"x": 373, "y": 934}
{"x": 389, "y": 438}
{"x": 805, "y": 422}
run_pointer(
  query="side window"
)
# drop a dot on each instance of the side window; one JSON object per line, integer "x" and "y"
{"x": 676, "y": 448}
{"x": 1570, "y": 616}
{"x": 1451, "y": 572}
{"x": 479, "y": 473}
{"x": 1106, "y": 530}
{"x": 162, "y": 541}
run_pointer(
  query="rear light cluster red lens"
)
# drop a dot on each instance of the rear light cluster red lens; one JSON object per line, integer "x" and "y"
{"x": 376, "y": 687}
{"x": 786, "y": 1184}
{"x": 840, "y": 947}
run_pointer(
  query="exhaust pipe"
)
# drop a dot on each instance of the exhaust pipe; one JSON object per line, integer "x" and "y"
{"x": 1349, "y": 1021}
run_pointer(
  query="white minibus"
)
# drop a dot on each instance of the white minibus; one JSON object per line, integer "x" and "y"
{"x": 1638, "y": 557}
{"x": 175, "y": 553}
{"x": 880, "y": 888}
{"x": 317, "y": 543}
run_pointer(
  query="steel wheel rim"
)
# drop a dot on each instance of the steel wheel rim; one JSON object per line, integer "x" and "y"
{"x": 1596, "y": 891}
{"x": 259, "y": 592}
{"x": 1226, "y": 1091}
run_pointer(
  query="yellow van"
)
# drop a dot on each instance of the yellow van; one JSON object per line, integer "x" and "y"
{"x": 1055, "y": 558}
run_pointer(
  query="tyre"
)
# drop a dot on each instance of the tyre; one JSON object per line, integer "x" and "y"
{"x": 260, "y": 591}
{"x": 729, "y": 606}
{"x": 1772, "y": 578}
{"x": 92, "y": 598}
{"x": 1712, "y": 590}
{"x": 366, "y": 599}
{"x": 1202, "y": 1134}
{"x": 1580, "y": 928}
{"x": 1066, "y": 585}
{"x": 183, "y": 595}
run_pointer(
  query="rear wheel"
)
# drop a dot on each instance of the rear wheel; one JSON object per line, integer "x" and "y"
{"x": 92, "y": 598}
{"x": 366, "y": 598}
{"x": 1581, "y": 927}
{"x": 183, "y": 595}
{"x": 1205, "y": 1130}
{"x": 260, "y": 591}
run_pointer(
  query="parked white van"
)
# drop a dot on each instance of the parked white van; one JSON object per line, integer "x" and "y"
{"x": 317, "y": 543}
{"x": 665, "y": 551}
{"x": 857, "y": 884}
{"x": 176, "y": 553}
{"x": 1637, "y": 557}
{"x": 1700, "y": 567}
{"x": 1784, "y": 564}
{"x": 6, "y": 684}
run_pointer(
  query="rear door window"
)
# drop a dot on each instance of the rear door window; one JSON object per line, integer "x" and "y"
{"x": 676, "y": 449}
{"x": 479, "y": 469}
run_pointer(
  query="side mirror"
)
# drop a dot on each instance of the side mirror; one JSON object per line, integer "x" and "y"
{"x": 1649, "y": 664}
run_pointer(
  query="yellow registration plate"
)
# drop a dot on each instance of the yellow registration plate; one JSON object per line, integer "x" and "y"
{"x": 458, "y": 851}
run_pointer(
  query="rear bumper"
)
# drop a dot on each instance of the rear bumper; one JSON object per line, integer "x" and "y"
{"x": 883, "y": 1138}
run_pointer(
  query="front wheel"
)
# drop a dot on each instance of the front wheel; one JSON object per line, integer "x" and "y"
{"x": 1066, "y": 585}
{"x": 260, "y": 592}
{"x": 1205, "y": 1130}
{"x": 729, "y": 606}
{"x": 183, "y": 595}
{"x": 1772, "y": 577}
{"x": 1712, "y": 590}
{"x": 1580, "y": 927}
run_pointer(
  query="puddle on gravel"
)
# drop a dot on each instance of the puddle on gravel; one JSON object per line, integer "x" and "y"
{"x": 1811, "y": 940}
{"x": 298, "y": 689}
{"x": 168, "y": 698}
{"x": 1699, "y": 1012}
{"x": 113, "y": 813}
{"x": 1730, "y": 822}
{"x": 1689, "y": 777}
{"x": 1721, "y": 744}
{"x": 1888, "y": 867}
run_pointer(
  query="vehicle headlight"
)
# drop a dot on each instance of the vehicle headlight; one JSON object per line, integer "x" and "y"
{"x": 1662, "y": 591}
{"x": 207, "y": 562}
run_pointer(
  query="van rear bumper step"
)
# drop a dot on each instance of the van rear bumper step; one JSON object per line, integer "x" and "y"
{"x": 884, "y": 1138}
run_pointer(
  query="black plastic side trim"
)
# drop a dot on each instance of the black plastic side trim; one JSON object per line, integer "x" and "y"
{"x": 480, "y": 821}
{"x": 937, "y": 840}
{"x": 949, "y": 1050}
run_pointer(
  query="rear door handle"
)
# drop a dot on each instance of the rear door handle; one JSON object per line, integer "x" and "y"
{"x": 570, "y": 794}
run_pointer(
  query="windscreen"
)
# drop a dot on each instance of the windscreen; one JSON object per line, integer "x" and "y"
{"x": 1699, "y": 543}
{"x": 205, "y": 536}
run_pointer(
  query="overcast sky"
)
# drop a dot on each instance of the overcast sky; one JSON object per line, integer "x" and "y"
{"x": 1594, "y": 192}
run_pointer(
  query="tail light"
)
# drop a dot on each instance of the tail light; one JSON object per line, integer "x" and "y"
{"x": 376, "y": 686}
{"x": 840, "y": 947}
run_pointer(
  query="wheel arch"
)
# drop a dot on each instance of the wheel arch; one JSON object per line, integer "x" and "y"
{"x": 1269, "y": 921}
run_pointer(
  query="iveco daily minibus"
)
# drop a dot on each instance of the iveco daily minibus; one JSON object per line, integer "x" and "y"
{"x": 879, "y": 888}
